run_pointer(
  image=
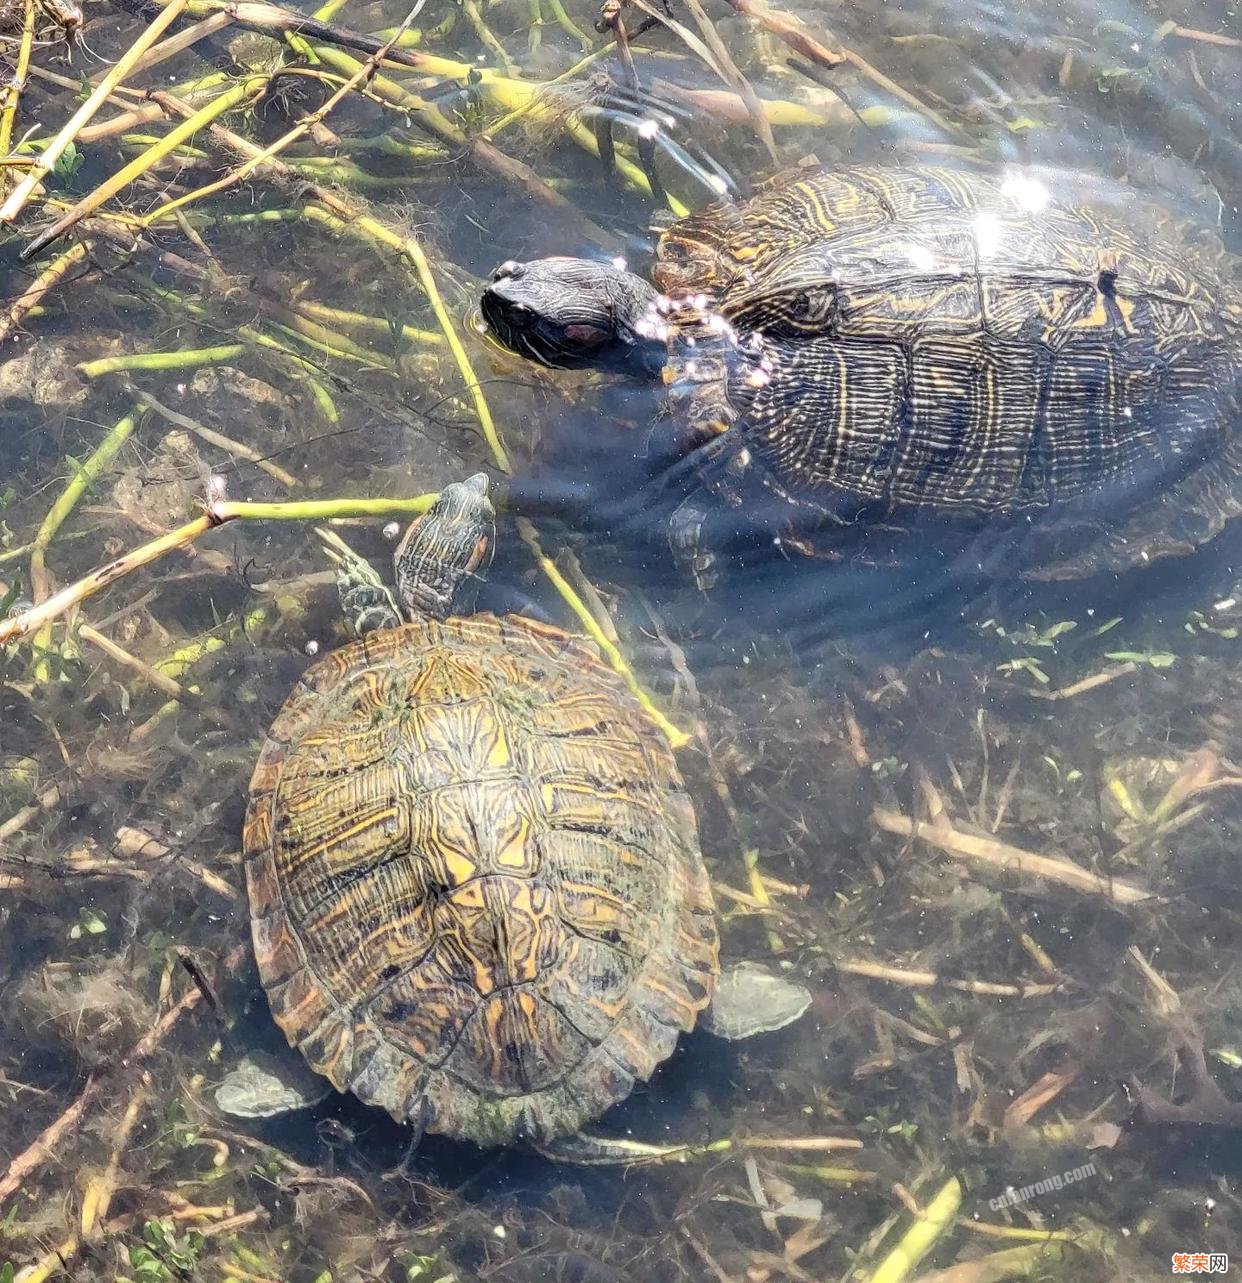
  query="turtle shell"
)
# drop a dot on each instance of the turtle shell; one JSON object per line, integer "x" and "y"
{"x": 896, "y": 343}
{"x": 477, "y": 895}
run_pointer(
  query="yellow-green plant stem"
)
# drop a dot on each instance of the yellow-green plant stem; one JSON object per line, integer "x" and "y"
{"x": 1031, "y": 1261}
{"x": 531, "y": 100}
{"x": 13, "y": 90}
{"x": 323, "y": 399}
{"x": 20, "y": 194}
{"x": 38, "y": 289}
{"x": 87, "y": 474}
{"x": 34, "y": 619}
{"x": 376, "y": 324}
{"x": 253, "y": 337}
{"x": 485, "y": 34}
{"x": 751, "y": 860}
{"x": 185, "y": 152}
{"x": 325, "y": 343}
{"x": 504, "y": 92}
{"x": 185, "y": 657}
{"x": 409, "y": 249}
{"x": 175, "y": 666}
{"x": 187, "y": 89}
{"x": 387, "y": 145}
{"x": 568, "y": 25}
{"x": 246, "y": 220}
{"x": 327, "y": 169}
{"x": 1025, "y": 1234}
{"x": 189, "y": 359}
{"x": 922, "y": 1236}
{"x": 535, "y": 39}
{"x": 530, "y": 537}
{"x": 225, "y": 101}
{"x": 252, "y": 161}
{"x": 24, "y": 550}
{"x": 319, "y": 509}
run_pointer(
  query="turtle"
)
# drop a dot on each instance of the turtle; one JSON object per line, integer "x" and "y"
{"x": 477, "y": 895}
{"x": 855, "y": 353}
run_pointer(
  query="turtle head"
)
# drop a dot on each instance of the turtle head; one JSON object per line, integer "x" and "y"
{"x": 439, "y": 559}
{"x": 572, "y": 314}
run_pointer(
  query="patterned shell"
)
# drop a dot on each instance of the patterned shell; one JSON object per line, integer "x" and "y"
{"x": 477, "y": 894}
{"x": 942, "y": 341}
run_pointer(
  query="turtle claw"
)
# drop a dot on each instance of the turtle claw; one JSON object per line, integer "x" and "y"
{"x": 365, "y": 601}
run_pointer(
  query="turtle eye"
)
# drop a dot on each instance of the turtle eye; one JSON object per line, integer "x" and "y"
{"x": 509, "y": 271}
{"x": 811, "y": 306}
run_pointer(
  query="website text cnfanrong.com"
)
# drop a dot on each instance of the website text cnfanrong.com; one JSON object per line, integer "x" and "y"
{"x": 1011, "y": 1197}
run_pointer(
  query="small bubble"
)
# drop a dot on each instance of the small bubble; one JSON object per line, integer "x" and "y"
{"x": 312, "y": 647}
{"x": 392, "y": 530}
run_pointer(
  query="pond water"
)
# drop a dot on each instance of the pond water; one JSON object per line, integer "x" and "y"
{"x": 991, "y": 823}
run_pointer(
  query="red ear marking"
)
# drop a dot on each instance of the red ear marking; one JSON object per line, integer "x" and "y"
{"x": 590, "y": 335}
{"x": 480, "y": 551}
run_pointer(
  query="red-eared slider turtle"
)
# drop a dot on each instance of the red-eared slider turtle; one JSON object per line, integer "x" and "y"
{"x": 476, "y": 889}
{"x": 864, "y": 349}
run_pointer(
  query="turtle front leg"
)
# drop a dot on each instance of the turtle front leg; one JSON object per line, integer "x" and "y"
{"x": 366, "y": 602}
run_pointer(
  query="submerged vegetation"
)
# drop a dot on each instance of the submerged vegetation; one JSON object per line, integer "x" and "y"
{"x": 241, "y": 246}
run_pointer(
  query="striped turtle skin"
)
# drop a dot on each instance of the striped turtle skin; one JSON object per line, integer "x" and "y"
{"x": 892, "y": 344}
{"x": 477, "y": 895}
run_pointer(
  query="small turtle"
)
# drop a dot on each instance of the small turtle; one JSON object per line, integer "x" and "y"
{"x": 476, "y": 889}
{"x": 865, "y": 351}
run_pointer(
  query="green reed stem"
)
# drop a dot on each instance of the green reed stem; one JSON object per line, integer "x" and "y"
{"x": 319, "y": 509}
{"x": 96, "y": 463}
{"x": 922, "y": 1236}
{"x": 568, "y": 25}
{"x": 188, "y": 359}
{"x": 410, "y": 249}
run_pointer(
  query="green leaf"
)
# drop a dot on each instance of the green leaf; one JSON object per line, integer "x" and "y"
{"x": 1027, "y": 664}
{"x": 68, "y": 163}
{"x": 89, "y": 923}
{"x": 1155, "y": 658}
{"x": 7, "y": 1272}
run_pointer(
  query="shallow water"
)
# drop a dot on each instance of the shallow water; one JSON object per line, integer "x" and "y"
{"x": 974, "y": 1027}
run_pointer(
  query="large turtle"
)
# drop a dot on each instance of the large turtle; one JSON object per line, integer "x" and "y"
{"x": 476, "y": 889}
{"x": 867, "y": 349}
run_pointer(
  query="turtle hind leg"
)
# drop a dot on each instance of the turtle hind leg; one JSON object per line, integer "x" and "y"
{"x": 1180, "y": 519}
